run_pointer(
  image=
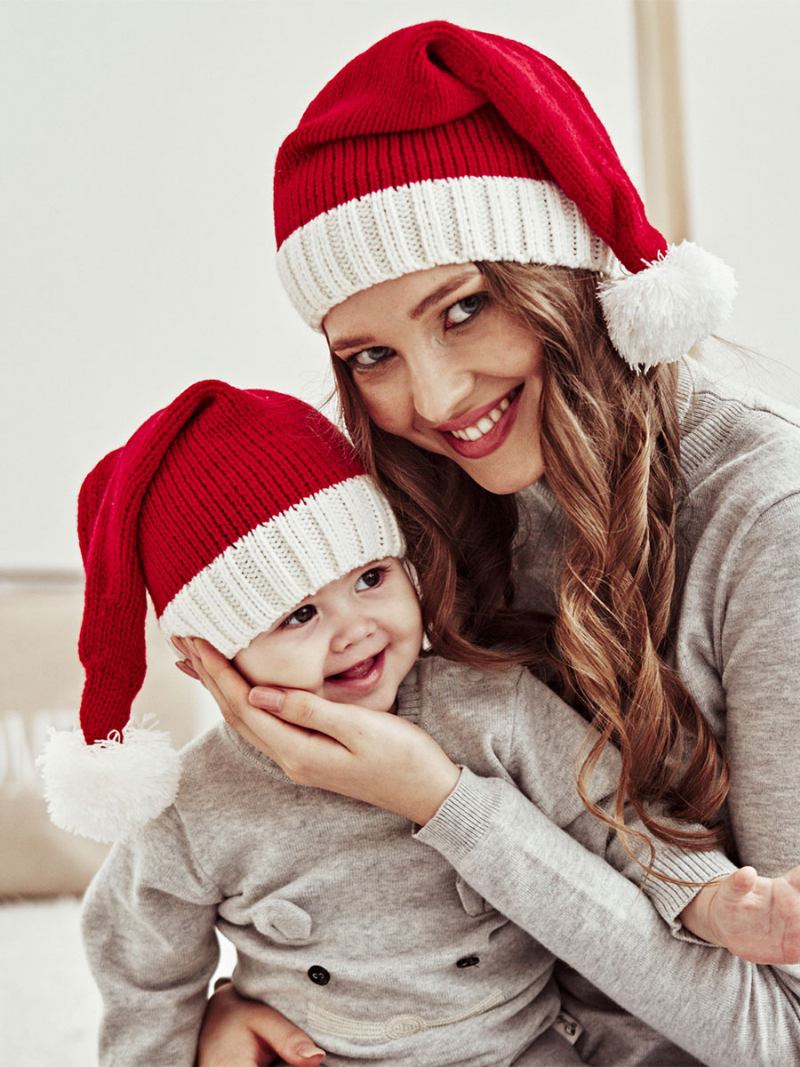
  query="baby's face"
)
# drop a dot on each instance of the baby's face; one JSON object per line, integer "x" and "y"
{"x": 352, "y": 642}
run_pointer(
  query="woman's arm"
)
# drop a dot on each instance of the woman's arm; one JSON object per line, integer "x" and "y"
{"x": 719, "y": 1008}
{"x": 754, "y": 917}
{"x": 759, "y": 651}
{"x": 566, "y": 897}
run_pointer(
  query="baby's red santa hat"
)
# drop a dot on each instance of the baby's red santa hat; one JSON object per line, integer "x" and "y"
{"x": 442, "y": 145}
{"x": 229, "y": 507}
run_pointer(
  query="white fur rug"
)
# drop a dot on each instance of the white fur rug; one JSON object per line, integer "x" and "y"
{"x": 49, "y": 1005}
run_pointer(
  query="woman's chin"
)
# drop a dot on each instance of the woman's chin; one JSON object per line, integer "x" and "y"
{"x": 502, "y": 479}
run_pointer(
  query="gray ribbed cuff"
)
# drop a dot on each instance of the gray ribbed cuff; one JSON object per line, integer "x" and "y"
{"x": 668, "y": 899}
{"x": 464, "y": 818}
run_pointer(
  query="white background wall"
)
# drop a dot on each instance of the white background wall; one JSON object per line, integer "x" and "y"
{"x": 741, "y": 82}
{"x": 138, "y": 141}
{"x": 135, "y": 211}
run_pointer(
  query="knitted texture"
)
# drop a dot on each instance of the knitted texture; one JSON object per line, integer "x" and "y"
{"x": 442, "y": 145}
{"x": 229, "y": 507}
{"x": 436, "y": 101}
{"x": 274, "y": 566}
{"x": 393, "y": 232}
{"x": 203, "y": 491}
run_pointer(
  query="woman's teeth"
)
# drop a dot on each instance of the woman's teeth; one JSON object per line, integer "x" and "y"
{"x": 484, "y": 424}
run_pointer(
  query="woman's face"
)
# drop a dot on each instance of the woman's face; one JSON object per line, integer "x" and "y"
{"x": 437, "y": 361}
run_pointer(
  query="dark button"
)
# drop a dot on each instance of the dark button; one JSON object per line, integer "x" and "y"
{"x": 318, "y": 974}
{"x": 468, "y": 961}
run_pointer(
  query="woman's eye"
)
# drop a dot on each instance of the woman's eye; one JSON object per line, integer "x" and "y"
{"x": 464, "y": 310}
{"x": 370, "y": 357}
{"x": 301, "y": 616}
{"x": 370, "y": 579}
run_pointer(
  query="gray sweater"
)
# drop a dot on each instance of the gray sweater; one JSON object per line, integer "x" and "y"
{"x": 340, "y": 917}
{"x": 736, "y": 643}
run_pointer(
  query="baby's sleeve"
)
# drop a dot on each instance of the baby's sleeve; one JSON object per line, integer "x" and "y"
{"x": 148, "y": 928}
{"x": 546, "y": 748}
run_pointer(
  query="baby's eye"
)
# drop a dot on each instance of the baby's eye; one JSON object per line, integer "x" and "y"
{"x": 370, "y": 357}
{"x": 300, "y": 617}
{"x": 464, "y": 310}
{"x": 370, "y": 579}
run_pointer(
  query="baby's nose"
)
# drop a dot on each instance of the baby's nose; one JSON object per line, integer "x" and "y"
{"x": 350, "y": 633}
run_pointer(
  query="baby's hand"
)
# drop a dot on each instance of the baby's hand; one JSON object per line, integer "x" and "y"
{"x": 755, "y": 918}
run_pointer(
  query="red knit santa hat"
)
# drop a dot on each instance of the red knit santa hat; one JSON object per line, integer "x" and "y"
{"x": 229, "y": 507}
{"x": 442, "y": 145}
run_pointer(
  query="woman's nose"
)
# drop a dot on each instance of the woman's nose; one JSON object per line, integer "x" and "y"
{"x": 439, "y": 388}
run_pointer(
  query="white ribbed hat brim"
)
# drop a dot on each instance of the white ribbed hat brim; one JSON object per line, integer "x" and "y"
{"x": 274, "y": 567}
{"x": 396, "y": 231}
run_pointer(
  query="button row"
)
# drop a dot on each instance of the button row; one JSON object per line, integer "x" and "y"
{"x": 319, "y": 976}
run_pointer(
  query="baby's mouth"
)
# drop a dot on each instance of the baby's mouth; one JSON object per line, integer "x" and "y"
{"x": 359, "y": 671}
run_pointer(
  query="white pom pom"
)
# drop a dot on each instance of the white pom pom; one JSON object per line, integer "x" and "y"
{"x": 656, "y": 315}
{"x": 107, "y": 789}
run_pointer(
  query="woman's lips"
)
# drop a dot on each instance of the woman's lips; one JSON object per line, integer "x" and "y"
{"x": 490, "y": 441}
{"x": 362, "y": 676}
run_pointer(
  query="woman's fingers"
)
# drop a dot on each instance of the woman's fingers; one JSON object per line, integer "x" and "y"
{"x": 308, "y": 711}
{"x": 281, "y": 1036}
{"x": 793, "y": 878}
{"x": 238, "y": 1032}
{"x": 224, "y": 683}
{"x": 307, "y": 757}
{"x": 185, "y": 668}
{"x": 220, "y": 677}
{"x": 743, "y": 881}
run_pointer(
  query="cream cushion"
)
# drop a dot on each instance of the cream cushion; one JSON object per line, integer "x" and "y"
{"x": 40, "y": 687}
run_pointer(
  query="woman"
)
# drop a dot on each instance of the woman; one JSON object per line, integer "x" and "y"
{"x": 576, "y": 497}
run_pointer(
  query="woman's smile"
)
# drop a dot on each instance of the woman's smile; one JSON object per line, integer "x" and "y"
{"x": 482, "y": 431}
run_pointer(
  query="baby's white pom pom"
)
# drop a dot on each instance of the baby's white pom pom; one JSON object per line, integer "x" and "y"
{"x": 658, "y": 314}
{"x": 106, "y": 790}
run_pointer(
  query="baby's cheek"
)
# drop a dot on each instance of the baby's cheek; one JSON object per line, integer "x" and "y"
{"x": 262, "y": 666}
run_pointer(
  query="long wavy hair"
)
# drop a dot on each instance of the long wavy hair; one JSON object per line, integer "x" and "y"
{"x": 611, "y": 448}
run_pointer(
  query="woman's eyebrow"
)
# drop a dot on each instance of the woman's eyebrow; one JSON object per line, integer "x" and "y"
{"x": 444, "y": 290}
{"x": 440, "y": 293}
{"x": 350, "y": 342}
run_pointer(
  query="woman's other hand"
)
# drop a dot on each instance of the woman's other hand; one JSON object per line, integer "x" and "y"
{"x": 243, "y": 1033}
{"x": 755, "y": 918}
{"x": 370, "y": 756}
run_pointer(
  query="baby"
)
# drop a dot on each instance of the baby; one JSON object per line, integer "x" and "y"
{"x": 251, "y": 523}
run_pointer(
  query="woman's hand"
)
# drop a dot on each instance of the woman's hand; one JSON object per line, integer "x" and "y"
{"x": 753, "y": 917}
{"x": 367, "y": 755}
{"x": 242, "y": 1033}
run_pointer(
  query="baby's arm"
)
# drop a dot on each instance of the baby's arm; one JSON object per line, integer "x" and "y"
{"x": 753, "y": 917}
{"x": 148, "y": 926}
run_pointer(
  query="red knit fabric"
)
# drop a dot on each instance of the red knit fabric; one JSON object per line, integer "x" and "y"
{"x": 154, "y": 513}
{"x": 438, "y": 101}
